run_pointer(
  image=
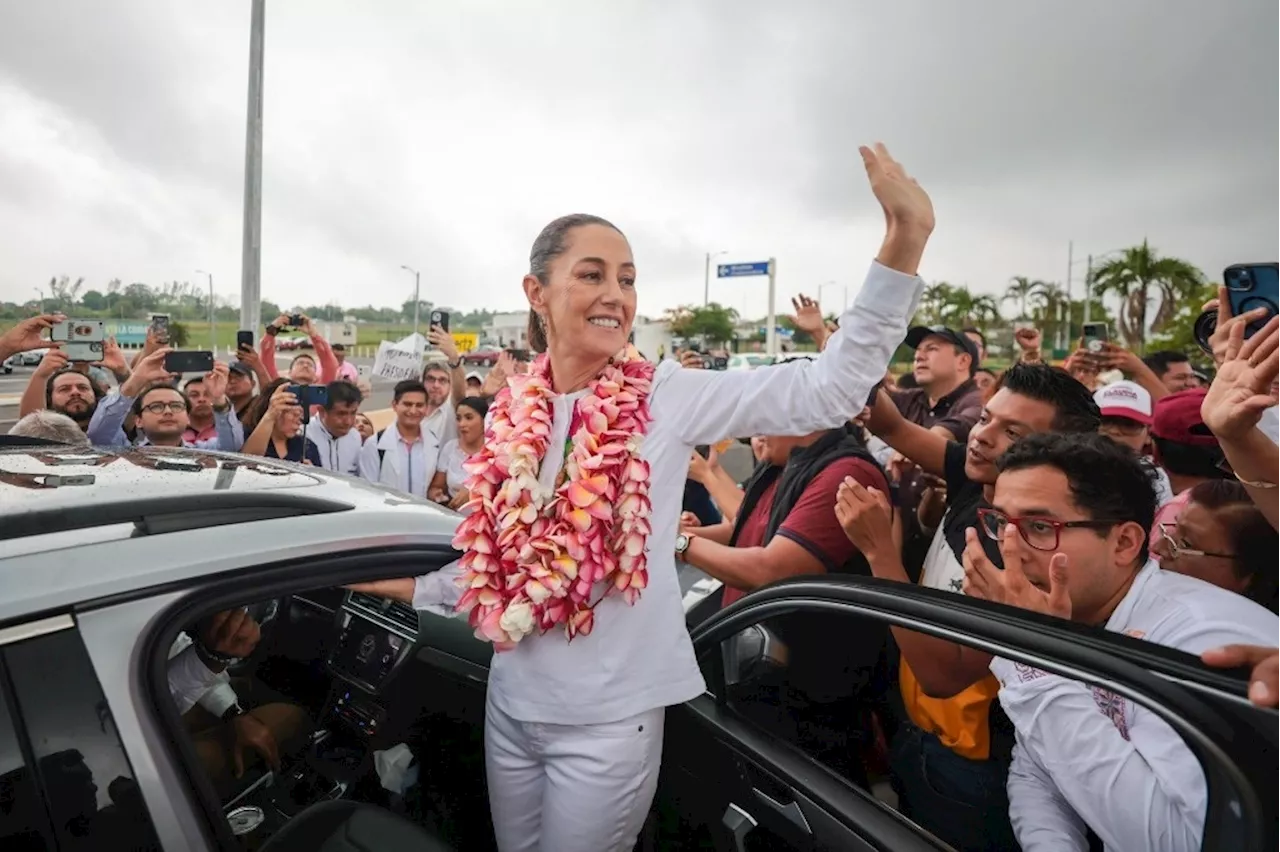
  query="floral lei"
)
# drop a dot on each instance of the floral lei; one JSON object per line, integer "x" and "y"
{"x": 531, "y": 554}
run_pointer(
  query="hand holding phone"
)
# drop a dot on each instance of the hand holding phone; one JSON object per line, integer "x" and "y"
{"x": 440, "y": 318}
{"x": 1095, "y": 334}
{"x": 244, "y": 340}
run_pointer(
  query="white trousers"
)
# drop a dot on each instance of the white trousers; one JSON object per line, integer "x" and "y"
{"x": 571, "y": 788}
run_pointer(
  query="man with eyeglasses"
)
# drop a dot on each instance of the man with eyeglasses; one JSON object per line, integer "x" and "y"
{"x": 949, "y": 758}
{"x": 163, "y": 411}
{"x": 1072, "y": 515}
{"x": 1186, "y": 449}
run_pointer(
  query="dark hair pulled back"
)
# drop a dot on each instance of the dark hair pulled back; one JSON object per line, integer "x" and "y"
{"x": 549, "y": 245}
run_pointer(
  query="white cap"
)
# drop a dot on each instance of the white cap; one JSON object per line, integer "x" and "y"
{"x": 1126, "y": 399}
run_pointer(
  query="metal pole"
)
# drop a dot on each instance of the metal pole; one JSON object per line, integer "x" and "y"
{"x": 1070, "y": 249}
{"x": 417, "y": 302}
{"x": 1088, "y": 286}
{"x": 212, "y": 338}
{"x": 771, "y": 327}
{"x": 251, "y": 249}
{"x": 706, "y": 281}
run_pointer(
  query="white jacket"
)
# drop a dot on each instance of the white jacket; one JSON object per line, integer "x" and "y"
{"x": 639, "y": 657}
{"x": 191, "y": 682}
{"x": 1086, "y": 758}
{"x": 392, "y": 465}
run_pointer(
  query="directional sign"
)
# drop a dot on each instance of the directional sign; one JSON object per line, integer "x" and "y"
{"x": 738, "y": 270}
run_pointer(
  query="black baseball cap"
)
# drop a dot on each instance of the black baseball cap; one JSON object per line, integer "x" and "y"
{"x": 240, "y": 367}
{"x": 917, "y": 334}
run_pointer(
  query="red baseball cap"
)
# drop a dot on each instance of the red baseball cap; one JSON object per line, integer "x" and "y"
{"x": 1176, "y": 418}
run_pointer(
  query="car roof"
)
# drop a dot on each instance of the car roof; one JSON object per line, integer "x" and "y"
{"x": 80, "y": 523}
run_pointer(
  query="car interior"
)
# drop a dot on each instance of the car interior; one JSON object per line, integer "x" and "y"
{"x": 355, "y": 668}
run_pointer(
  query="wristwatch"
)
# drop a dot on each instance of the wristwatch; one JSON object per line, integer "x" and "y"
{"x": 682, "y": 543}
{"x": 232, "y": 712}
{"x": 453, "y": 365}
{"x": 272, "y": 330}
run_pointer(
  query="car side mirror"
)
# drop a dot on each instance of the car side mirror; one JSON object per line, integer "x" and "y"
{"x": 753, "y": 653}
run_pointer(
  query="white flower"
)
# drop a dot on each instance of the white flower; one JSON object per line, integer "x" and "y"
{"x": 634, "y": 443}
{"x": 517, "y": 620}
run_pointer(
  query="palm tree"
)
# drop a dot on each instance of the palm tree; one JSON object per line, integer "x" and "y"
{"x": 1131, "y": 277}
{"x": 934, "y": 300}
{"x": 1049, "y": 302}
{"x": 965, "y": 309}
{"x": 1019, "y": 290}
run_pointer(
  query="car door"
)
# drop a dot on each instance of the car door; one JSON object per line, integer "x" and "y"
{"x": 755, "y": 789}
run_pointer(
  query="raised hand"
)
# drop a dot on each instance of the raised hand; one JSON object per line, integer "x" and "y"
{"x": 281, "y": 401}
{"x": 215, "y": 383}
{"x": 443, "y": 341}
{"x": 231, "y": 633}
{"x": 1011, "y": 587}
{"x": 149, "y": 370}
{"x": 1029, "y": 340}
{"x": 808, "y": 315}
{"x": 28, "y": 335}
{"x": 691, "y": 360}
{"x": 1242, "y": 389}
{"x": 866, "y": 517}
{"x": 1220, "y": 340}
{"x": 905, "y": 204}
{"x": 53, "y": 361}
{"x": 113, "y": 358}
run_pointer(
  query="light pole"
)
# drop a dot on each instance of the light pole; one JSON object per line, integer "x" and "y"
{"x": 251, "y": 246}
{"x": 417, "y": 301}
{"x": 1088, "y": 281}
{"x": 212, "y": 338}
{"x": 706, "y": 276}
{"x": 41, "y": 292}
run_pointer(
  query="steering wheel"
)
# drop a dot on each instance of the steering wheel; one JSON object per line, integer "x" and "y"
{"x": 267, "y": 614}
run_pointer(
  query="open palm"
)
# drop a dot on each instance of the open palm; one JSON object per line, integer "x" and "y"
{"x": 1242, "y": 389}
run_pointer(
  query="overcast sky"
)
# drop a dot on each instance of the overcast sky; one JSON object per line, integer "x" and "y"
{"x": 444, "y": 135}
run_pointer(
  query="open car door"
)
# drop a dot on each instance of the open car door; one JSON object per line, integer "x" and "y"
{"x": 756, "y": 789}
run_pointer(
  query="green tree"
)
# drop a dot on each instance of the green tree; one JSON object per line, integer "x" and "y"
{"x": 1050, "y": 312}
{"x": 712, "y": 323}
{"x": 178, "y": 334}
{"x": 932, "y": 301}
{"x": 1136, "y": 276}
{"x": 94, "y": 300}
{"x": 965, "y": 309}
{"x": 1019, "y": 290}
{"x": 1179, "y": 332}
{"x": 268, "y": 311}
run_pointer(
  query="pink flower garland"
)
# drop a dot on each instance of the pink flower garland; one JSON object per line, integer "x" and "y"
{"x": 532, "y": 555}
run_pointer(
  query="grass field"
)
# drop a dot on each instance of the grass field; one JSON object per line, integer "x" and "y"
{"x": 225, "y": 333}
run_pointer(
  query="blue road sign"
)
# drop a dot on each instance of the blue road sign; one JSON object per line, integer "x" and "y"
{"x": 737, "y": 270}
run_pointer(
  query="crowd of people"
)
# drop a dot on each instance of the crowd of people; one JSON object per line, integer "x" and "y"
{"x": 1132, "y": 494}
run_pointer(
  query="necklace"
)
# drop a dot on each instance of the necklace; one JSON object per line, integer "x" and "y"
{"x": 533, "y": 555}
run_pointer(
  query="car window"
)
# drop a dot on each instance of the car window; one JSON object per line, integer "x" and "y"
{"x": 991, "y": 762}
{"x": 89, "y": 787}
{"x": 23, "y": 824}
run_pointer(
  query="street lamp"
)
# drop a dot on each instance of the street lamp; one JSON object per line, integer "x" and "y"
{"x": 1088, "y": 279}
{"x": 41, "y": 292}
{"x": 706, "y": 276}
{"x": 209, "y": 275}
{"x": 417, "y": 281}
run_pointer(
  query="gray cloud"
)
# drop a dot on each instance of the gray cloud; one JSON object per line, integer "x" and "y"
{"x": 445, "y": 136}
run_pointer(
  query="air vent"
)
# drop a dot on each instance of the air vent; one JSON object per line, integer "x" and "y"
{"x": 400, "y": 616}
{"x": 404, "y": 615}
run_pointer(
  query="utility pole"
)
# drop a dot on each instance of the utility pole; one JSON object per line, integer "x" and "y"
{"x": 771, "y": 330}
{"x": 1070, "y": 249}
{"x": 1088, "y": 286}
{"x": 417, "y": 298}
{"x": 251, "y": 247}
{"x": 212, "y": 344}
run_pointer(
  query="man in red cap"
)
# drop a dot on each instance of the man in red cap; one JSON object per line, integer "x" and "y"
{"x": 1185, "y": 448}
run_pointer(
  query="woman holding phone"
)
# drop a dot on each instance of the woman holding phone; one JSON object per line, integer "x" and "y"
{"x": 278, "y": 434}
{"x": 577, "y": 488}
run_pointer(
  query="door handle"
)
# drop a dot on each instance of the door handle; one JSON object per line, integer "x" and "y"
{"x": 790, "y": 811}
{"x": 740, "y": 823}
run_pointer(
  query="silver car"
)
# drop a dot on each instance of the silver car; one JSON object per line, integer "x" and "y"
{"x": 108, "y": 558}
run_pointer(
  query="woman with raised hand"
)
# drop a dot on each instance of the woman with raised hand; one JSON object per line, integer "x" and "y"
{"x": 576, "y": 495}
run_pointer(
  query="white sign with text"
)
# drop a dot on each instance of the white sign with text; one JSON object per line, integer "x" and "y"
{"x": 396, "y": 363}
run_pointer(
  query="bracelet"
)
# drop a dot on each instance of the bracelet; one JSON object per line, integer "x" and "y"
{"x": 453, "y": 365}
{"x": 272, "y": 330}
{"x": 1253, "y": 483}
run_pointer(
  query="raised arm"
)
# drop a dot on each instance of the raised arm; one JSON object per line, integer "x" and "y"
{"x": 326, "y": 361}
{"x": 807, "y": 396}
{"x": 925, "y": 447}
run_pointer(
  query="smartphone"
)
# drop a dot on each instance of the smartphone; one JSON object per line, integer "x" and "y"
{"x": 703, "y": 450}
{"x": 78, "y": 331}
{"x": 244, "y": 340}
{"x": 1251, "y": 286}
{"x": 719, "y": 363}
{"x": 79, "y": 351}
{"x": 309, "y": 395}
{"x": 296, "y": 320}
{"x": 1095, "y": 334}
{"x": 188, "y": 361}
{"x": 160, "y": 327}
{"x": 440, "y": 318}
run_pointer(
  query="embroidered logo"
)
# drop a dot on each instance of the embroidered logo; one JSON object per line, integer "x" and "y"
{"x": 1026, "y": 673}
{"x": 1113, "y": 707}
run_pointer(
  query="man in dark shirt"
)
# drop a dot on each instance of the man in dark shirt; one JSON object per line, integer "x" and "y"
{"x": 945, "y": 400}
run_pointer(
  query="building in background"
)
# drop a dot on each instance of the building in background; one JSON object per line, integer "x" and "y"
{"x": 508, "y": 331}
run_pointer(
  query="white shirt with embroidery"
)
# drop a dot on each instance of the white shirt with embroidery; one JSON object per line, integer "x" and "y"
{"x": 1086, "y": 758}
